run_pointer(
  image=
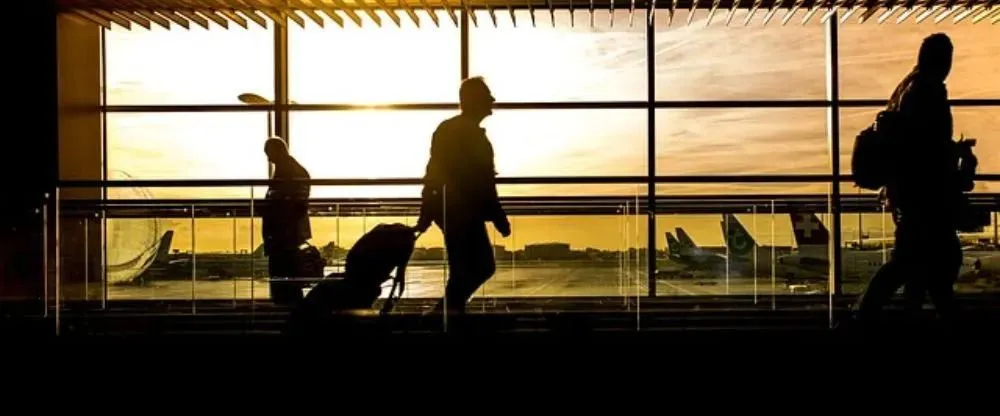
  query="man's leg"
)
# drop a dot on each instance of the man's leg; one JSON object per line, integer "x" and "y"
{"x": 281, "y": 265}
{"x": 915, "y": 294}
{"x": 942, "y": 275}
{"x": 879, "y": 291}
{"x": 470, "y": 257}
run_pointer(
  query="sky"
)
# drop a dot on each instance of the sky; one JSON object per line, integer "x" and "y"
{"x": 408, "y": 65}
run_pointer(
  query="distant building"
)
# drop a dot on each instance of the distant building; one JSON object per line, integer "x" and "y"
{"x": 501, "y": 252}
{"x": 547, "y": 251}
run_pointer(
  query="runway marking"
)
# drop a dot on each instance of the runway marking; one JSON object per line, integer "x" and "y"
{"x": 675, "y": 287}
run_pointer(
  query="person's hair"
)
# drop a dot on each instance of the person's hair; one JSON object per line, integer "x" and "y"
{"x": 934, "y": 49}
{"x": 471, "y": 88}
{"x": 275, "y": 143}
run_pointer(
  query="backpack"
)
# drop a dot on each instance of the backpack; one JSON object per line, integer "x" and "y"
{"x": 871, "y": 159}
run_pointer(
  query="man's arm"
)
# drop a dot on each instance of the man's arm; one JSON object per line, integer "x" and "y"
{"x": 496, "y": 212}
{"x": 432, "y": 182}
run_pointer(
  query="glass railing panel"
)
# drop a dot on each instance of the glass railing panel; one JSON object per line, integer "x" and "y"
{"x": 760, "y": 245}
{"x": 195, "y": 244}
{"x": 76, "y": 249}
{"x": 981, "y": 266}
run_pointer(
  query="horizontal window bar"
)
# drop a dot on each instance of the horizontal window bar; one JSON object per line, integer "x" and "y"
{"x": 78, "y": 209}
{"x": 553, "y": 180}
{"x": 581, "y": 105}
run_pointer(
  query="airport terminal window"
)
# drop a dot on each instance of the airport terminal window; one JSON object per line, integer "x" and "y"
{"x": 718, "y": 141}
{"x": 871, "y": 69}
{"x": 364, "y": 143}
{"x": 210, "y": 145}
{"x": 981, "y": 123}
{"x": 192, "y": 66}
{"x": 742, "y": 189}
{"x": 370, "y": 64}
{"x": 550, "y": 254}
{"x": 568, "y": 142}
{"x": 737, "y": 62}
{"x": 564, "y": 62}
{"x": 627, "y": 191}
{"x": 974, "y": 122}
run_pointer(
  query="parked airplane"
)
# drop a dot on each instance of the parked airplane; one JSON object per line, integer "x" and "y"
{"x": 183, "y": 266}
{"x": 811, "y": 260}
{"x": 129, "y": 271}
{"x": 742, "y": 246}
{"x": 691, "y": 260}
{"x": 686, "y": 259}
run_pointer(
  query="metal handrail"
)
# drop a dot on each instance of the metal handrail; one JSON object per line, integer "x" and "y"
{"x": 543, "y": 105}
{"x": 545, "y": 205}
{"x": 523, "y": 180}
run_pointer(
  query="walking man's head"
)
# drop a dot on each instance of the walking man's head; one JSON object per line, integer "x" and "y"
{"x": 475, "y": 98}
{"x": 276, "y": 149}
{"x": 935, "y": 56}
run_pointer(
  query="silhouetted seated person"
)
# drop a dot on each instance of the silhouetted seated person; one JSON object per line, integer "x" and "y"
{"x": 925, "y": 192}
{"x": 285, "y": 222}
{"x": 460, "y": 195}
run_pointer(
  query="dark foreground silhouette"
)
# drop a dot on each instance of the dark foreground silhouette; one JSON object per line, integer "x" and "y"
{"x": 926, "y": 175}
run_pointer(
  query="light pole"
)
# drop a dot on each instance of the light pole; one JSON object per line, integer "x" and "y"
{"x": 256, "y": 99}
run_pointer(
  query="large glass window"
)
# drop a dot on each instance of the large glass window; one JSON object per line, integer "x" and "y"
{"x": 208, "y": 145}
{"x": 192, "y": 66}
{"x": 568, "y": 61}
{"x": 739, "y": 141}
{"x": 371, "y": 64}
{"x": 972, "y": 122}
{"x": 701, "y": 61}
{"x": 874, "y": 58}
{"x": 393, "y": 144}
{"x": 569, "y": 239}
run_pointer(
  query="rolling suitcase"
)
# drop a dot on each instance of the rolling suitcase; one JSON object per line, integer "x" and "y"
{"x": 369, "y": 264}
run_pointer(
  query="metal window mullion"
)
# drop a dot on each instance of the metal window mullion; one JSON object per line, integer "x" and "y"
{"x": 281, "y": 80}
{"x": 651, "y": 151}
{"x": 464, "y": 44}
{"x": 104, "y": 168}
{"x": 833, "y": 95}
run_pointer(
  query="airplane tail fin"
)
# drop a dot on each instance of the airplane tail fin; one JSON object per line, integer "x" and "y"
{"x": 163, "y": 250}
{"x": 738, "y": 239}
{"x": 809, "y": 230}
{"x": 673, "y": 246}
{"x": 685, "y": 239}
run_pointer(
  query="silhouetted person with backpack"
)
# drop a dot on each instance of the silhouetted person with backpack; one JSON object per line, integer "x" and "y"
{"x": 924, "y": 190}
{"x": 460, "y": 195}
{"x": 285, "y": 222}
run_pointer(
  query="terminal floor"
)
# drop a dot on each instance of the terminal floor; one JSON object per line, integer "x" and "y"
{"x": 794, "y": 318}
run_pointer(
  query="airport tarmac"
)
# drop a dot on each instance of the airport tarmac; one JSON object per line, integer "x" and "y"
{"x": 429, "y": 282}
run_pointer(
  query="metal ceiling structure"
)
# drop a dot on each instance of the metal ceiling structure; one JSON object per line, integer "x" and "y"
{"x": 130, "y": 14}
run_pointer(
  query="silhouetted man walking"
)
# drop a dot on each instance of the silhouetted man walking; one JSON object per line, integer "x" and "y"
{"x": 460, "y": 194}
{"x": 925, "y": 191}
{"x": 285, "y": 221}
